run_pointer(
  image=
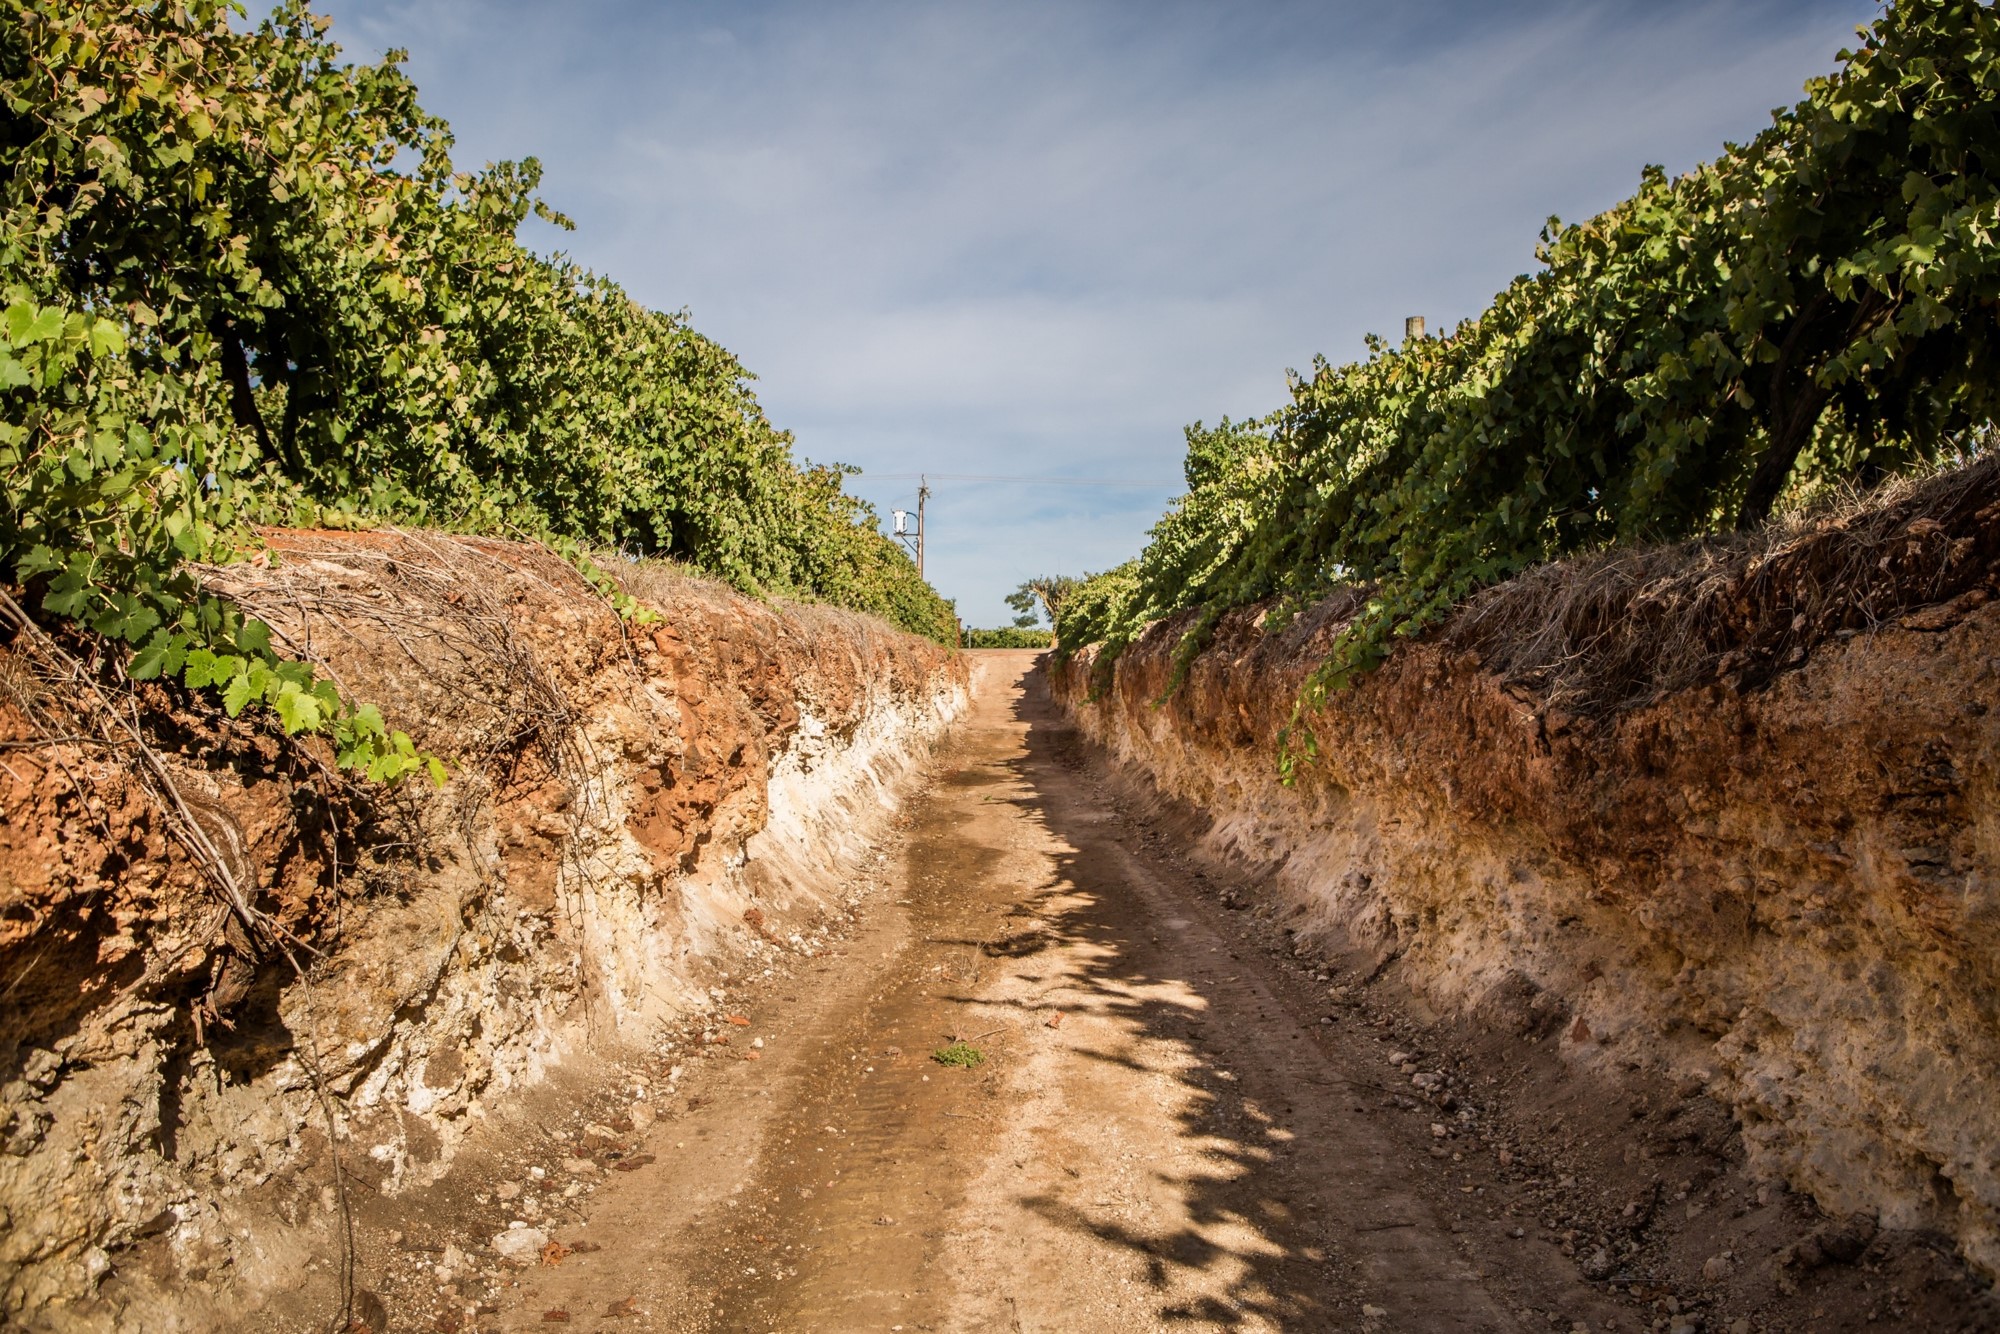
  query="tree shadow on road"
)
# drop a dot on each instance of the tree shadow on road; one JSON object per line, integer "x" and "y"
{"x": 1250, "y": 1245}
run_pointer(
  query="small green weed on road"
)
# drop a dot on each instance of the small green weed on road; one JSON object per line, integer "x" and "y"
{"x": 959, "y": 1054}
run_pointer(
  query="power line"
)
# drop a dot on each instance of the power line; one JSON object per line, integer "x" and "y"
{"x": 992, "y": 477}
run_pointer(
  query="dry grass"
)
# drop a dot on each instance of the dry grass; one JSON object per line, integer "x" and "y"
{"x": 436, "y": 610}
{"x": 823, "y": 623}
{"x": 661, "y": 584}
{"x": 658, "y": 582}
{"x": 1620, "y": 628}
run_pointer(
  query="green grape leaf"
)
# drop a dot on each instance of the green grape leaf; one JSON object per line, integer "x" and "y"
{"x": 238, "y": 692}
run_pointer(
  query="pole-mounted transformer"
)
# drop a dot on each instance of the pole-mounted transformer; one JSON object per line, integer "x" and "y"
{"x": 913, "y": 538}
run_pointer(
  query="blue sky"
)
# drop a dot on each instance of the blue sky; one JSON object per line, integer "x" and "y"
{"x": 1038, "y": 237}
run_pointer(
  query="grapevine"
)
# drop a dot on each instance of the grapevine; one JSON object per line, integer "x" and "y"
{"x": 243, "y": 282}
{"x": 1812, "y": 309}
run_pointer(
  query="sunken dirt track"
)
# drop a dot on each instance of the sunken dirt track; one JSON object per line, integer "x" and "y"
{"x": 1163, "y": 1134}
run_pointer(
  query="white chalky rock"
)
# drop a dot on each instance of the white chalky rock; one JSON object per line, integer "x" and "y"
{"x": 520, "y": 1245}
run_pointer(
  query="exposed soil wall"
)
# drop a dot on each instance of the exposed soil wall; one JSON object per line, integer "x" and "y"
{"x": 634, "y": 811}
{"x": 1782, "y": 885}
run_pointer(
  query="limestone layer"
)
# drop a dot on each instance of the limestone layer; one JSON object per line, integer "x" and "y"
{"x": 635, "y": 808}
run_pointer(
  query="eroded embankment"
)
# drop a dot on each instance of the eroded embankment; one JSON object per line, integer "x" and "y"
{"x": 1728, "y": 812}
{"x": 634, "y": 809}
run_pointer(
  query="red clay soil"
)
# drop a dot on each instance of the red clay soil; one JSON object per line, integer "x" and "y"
{"x": 1746, "y": 896}
{"x": 165, "y": 1079}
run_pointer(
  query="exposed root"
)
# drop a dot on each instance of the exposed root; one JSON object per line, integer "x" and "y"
{"x": 1616, "y": 630}
{"x": 434, "y": 597}
{"x": 705, "y": 727}
{"x": 86, "y": 712}
{"x": 104, "y": 722}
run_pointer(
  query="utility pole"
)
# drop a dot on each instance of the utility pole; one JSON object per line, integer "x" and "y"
{"x": 914, "y": 541}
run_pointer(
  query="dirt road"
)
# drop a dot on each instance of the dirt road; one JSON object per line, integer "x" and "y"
{"x": 1166, "y": 1130}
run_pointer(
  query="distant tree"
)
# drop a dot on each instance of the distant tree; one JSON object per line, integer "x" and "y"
{"x": 1011, "y": 636}
{"x": 1040, "y": 597}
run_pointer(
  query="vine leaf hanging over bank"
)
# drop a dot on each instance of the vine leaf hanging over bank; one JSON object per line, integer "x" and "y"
{"x": 243, "y": 282}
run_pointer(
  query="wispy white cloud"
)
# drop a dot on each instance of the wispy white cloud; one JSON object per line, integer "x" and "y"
{"x": 1040, "y": 237}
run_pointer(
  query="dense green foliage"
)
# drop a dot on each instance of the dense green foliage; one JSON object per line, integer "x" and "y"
{"x": 1009, "y": 636}
{"x": 1814, "y": 307}
{"x": 243, "y": 281}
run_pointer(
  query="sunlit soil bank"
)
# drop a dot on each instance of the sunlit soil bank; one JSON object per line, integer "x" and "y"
{"x": 1725, "y": 812}
{"x": 634, "y": 810}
